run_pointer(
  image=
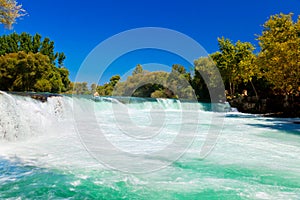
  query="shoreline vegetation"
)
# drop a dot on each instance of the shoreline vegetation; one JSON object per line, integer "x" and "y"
{"x": 264, "y": 81}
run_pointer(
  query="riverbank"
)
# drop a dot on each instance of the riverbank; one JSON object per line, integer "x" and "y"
{"x": 274, "y": 106}
{"x": 37, "y": 96}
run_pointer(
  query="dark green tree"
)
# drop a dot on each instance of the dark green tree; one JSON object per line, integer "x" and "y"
{"x": 26, "y": 43}
{"x": 36, "y": 43}
{"x": 14, "y": 43}
{"x": 61, "y": 58}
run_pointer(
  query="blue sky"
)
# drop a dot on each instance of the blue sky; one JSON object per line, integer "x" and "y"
{"x": 77, "y": 26}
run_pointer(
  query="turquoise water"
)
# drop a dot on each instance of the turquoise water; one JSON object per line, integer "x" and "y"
{"x": 42, "y": 156}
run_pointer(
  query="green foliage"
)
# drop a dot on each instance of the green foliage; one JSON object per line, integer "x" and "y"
{"x": 64, "y": 75}
{"x": 204, "y": 75}
{"x": 78, "y": 88}
{"x": 93, "y": 88}
{"x": 206, "y": 68}
{"x": 178, "y": 68}
{"x": 138, "y": 70}
{"x": 155, "y": 84}
{"x": 280, "y": 54}
{"x": 136, "y": 85}
{"x": 56, "y": 81}
{"x": 28, "y": 64}
{"x": 181, "y": 71}
{"x": 43, "y": 85}
{"x": 108, "y": 88}
{"x": 61, "y": 58}
{"x": 235, "y": 62}
{"x": 36, "y": 43}
{"x": 31, "y": 72}
{"x": 179, "y": 82}
{"x": 159, "y": 94}
{"x": 114, "y": 80}
{"x": 25, "y": 42}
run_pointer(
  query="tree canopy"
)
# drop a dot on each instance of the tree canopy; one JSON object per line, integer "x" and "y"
{"x": 235, "y": 62}
{"x": 25, "y": 42}
{"x": 150, "y": 84}
{"x": 31, "y": 72}
{"x": 28, "y": 63}
{"x": 279, "y": 58}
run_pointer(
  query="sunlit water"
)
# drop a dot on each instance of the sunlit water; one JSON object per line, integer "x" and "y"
{"x": 43, "y": 154}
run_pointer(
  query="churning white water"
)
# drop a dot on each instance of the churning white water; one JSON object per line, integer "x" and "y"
{"x": 77, "y": 148}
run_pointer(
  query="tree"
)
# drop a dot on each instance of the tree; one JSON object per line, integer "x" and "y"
{"x": 28, "y": 64}
{"x": 108, "y": 88}
{"x": 10, "y": 11}
{"x": 47, "y": 48}
{"x": 138, "y": 70}
{"x": 204, "y": 66}
{"x": 43, "y": 85}
{"x": 159, "y": 94}
{"x": 235, "y": 63}
{"x": 179, "y": 82}
{"x": 13, "y": 42}
{"x": 79, "y": 88}
{"x": 64, "y": 74}
{"x": 93, "y": 88}
{"x": 25, "y": 42}
{"x": 153, "y": 84}
{"x": 280, "y": 53}
{"x": 61, "y": 58}
{"x": 114, "y": 80}
{"x": 177, "y": 68}
{"x": 36, "y": 43}
{"x": 31, "y": 72}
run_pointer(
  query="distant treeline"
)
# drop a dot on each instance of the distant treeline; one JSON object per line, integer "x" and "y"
{"x": 29, "y": 63}
{"x": 273, "y": 70}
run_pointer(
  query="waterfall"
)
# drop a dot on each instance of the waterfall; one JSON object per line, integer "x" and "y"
{"x": 173, "y": 104}
{"x": 24, "y": 117}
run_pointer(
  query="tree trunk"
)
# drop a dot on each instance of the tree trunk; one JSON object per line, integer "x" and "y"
{"x": 286, "y": 101}
{"x": 230, "y": 89}
{"x": 254, "y": 89}
{"x": 233, "y": 89}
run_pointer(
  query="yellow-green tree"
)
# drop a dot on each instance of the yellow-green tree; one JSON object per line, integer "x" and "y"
{"x": 108, "y": 88}
{"x": 280, "y": 53}
{"x": 31, "y": 72}
{"x": 236, "y": 63}
{"x": 154, "y": 84}
{"x": 10, "y": 11}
